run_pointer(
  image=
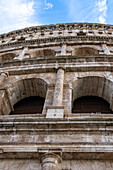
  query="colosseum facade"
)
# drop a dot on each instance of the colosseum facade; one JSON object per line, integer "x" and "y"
{"x": 56, "y": 98}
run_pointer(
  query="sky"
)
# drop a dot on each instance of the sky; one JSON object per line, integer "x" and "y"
{"x": 18, "y": 14}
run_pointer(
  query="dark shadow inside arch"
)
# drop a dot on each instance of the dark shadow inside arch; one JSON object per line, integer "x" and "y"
{"x": 43, "y": 53}
{"x": 85, "y": 51}
{"x": 91, "y": 104}
{"x": 29, "y": 105}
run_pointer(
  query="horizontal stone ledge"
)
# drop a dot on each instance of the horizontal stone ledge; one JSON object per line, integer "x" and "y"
{"x": 33, "y": 46}
{"x": 67, "y": 154}
{"x": 57, "y": 122}
{"x": 58, "y": 39}
{"x": 94, "y": 59}
{"x": 77, "y": 145}
{"x": 71, "y": 118}
{"x": 55, "y": 132}
{"x": 71, "y": 68}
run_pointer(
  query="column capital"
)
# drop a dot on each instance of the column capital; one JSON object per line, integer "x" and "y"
{"x": 61, "y": 67}
{"x": 58, "y": 67}
{"x": 55, "y": 157}
{"x": 50, "y": 161}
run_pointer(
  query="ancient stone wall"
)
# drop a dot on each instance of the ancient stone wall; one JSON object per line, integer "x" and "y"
{"x": 59, "y": 63}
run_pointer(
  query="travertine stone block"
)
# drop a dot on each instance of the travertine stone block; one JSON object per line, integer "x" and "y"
{"x": 55, "y": 112}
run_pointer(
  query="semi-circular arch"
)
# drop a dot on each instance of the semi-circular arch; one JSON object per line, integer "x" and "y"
{"x": 93, "y": 86}
{"x": 43, "y": 53}
{"x": 85, "y": 51}
{"x": 7, "y": 56}
{"x": 21, "y": 89}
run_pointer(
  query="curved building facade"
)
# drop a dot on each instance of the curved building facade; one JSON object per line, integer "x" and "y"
{"x": 56, "y": 97}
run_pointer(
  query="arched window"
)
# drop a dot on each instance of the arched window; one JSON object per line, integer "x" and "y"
{"x": 43, "y": 53}
{"x": 22, "y": 92}
{"x": 7, "y": 56}
{"x": 84, "y": 51}
{"x": 91, "y": 104}
{"x": 29, "y": 105}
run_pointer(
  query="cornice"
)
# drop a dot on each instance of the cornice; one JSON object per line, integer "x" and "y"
{"x": 61, "y": 39}
{"x": 60, "y": 26}
{"x": 50, "y": 69}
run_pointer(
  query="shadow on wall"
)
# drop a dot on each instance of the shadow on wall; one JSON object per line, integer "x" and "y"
{"x": 84, "y": 51}
{"x": 91, "y": 104}
{"x": 43, "y": 53}
{"x": 7, "y": 57}
{"x": 29, "y": 105}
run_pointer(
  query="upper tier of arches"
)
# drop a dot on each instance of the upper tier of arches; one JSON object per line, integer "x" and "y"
{"x": 85, "y": 51}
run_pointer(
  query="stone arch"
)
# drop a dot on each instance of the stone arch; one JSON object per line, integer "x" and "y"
{"x": 22, "y": 89}
{"x": 94, "y": 86}
{"x": 85, "y": 51}
{"x": 43, "y": 53}
{"x": 7, "y": 56}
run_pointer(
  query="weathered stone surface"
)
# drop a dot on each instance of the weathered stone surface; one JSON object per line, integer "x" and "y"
{"x": 17, "y": 164}
{"x": 59, "y": 63}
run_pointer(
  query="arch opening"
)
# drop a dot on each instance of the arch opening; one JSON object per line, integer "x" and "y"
{"x": 91, "y": 104}
{"x": 85, "y": 51}
{"x": 43, "y": 53}
{"x": 21, "y": 90}
{"x": 93, "y": 86}
{"x": 7, "y": 57}
{"x": 29, "y": 105}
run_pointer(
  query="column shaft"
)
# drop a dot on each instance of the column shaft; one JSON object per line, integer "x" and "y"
{"x": 58, "y": 93}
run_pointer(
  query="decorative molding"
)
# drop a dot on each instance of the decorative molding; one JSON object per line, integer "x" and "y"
{"x": 62, "y": 39}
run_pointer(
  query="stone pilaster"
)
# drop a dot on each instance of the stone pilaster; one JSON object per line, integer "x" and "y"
{"x": 50, "y": 161}
{"x": 105, "y": 48}
{"x": 58, "y": 93}
{"x": 63, "y": 49}
{"x": 68, "y": 98}
{"x": 57, "y": 110}
{"x": 49, "y": 97}
{"x": 21, "y": 56}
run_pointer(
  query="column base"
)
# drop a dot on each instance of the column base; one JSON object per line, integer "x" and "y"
{"x": 55, "y": 112}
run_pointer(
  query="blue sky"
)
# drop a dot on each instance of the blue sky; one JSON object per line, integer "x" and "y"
{"x": 17, "y": 14}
